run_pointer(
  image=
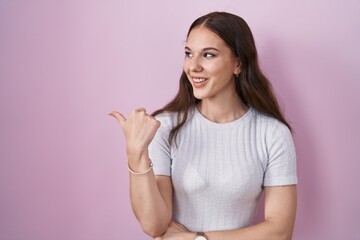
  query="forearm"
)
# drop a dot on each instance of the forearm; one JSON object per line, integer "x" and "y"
{"x": 151, "y": 197}
{"x": 280, "y": 212}
{"x": 147, "y": 202}
{"x": 266, "y": 230}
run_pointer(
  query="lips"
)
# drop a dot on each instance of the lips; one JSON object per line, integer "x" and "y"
{"x": 199, "y": 80}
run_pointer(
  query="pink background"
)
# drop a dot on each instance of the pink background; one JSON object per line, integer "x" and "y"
{"x": 65, "y": 64}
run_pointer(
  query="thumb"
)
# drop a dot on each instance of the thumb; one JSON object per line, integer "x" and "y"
{"x": 119, "y": 117}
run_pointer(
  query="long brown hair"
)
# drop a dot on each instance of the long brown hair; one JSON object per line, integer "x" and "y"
{"x": 253, "y": 88}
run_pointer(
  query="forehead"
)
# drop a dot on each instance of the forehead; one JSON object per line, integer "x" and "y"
{"x": 201, "y": 37}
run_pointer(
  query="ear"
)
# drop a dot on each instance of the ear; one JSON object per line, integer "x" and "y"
{"x": 237, "y": 69}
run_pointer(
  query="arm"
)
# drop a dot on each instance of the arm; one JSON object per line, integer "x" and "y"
{"x": 151, "y": 197}
{"x": 151, "y": 200}
{"x": 280, "y": 211}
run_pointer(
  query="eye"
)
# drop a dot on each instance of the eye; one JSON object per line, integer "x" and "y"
{"x": 208, "y": 55}
{"x": 188, "y": 54}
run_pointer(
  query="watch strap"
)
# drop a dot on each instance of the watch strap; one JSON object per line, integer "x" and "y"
{"x": 202, "y": 234}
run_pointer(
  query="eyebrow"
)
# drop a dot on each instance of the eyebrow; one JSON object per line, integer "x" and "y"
{"x": 204, "y": 49}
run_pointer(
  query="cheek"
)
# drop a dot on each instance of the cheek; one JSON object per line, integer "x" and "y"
{"x": 185, "y": 69}
{"x": 216, "y": 68}
{"x": 224, "y": 69}
{"x": 186, "y": 66}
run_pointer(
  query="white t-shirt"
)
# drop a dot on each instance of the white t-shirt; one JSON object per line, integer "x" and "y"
{"x": 218, "y": 170}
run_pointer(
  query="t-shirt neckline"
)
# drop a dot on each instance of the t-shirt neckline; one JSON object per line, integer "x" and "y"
{"x": 244, "y": 118}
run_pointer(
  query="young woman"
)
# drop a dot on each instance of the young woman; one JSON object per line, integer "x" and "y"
{"x": 199, "y": 165}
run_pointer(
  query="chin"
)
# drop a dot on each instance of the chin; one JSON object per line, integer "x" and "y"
{"x": 199, "y": 96}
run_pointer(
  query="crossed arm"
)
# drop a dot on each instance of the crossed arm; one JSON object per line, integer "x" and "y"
{"x": 280, "y": 211}
{"x": 151, "y": 196}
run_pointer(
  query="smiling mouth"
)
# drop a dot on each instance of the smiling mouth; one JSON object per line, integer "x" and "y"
{"x": 199, "y": 80}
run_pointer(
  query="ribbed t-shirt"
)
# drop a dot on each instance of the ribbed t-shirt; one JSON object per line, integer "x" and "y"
{"x": 219, "y": 170}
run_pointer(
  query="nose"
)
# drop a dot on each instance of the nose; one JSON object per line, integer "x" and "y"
{"x": 195, "y": 64}
{"x": 196, "y": 68}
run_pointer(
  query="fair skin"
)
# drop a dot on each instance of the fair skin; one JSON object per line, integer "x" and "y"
{"x": 151, "y": 196}
{"x": 210, "y": 67}
{"x": 208, "y": 59}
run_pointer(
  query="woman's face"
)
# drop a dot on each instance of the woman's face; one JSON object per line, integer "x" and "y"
{"x": 210, "y": 65}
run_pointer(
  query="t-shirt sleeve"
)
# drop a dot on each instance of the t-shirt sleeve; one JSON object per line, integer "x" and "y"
{"x": 160, "y": 151}
{"x": 281, "y": 166}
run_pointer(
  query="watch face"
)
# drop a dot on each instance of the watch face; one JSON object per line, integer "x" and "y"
{"x": 200, "y": 238}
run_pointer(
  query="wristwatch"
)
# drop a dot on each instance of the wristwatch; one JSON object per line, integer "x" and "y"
{"x": 200, "y": 236}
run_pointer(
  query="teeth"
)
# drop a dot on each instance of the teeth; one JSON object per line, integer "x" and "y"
{"x": 199, "y": 80}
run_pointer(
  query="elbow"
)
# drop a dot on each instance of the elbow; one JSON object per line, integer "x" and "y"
{"x": 280, "y": 232}
{"x": 287, "y": 236}
{"x": 154, "y": 230}
{"x": 154, "y": 226}
{"x": 284, "y": 235}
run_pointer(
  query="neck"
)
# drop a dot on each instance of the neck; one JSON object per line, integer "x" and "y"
{"x": 222, "y": 111}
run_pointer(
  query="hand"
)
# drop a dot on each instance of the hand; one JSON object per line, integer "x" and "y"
{"x": 139, "y": 129}
{"x": 176, "y": 231}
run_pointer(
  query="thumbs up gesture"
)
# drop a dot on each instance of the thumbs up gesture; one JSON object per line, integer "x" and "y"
{"x": 139, "y": 130}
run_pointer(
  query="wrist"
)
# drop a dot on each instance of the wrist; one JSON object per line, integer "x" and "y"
{"x": 137, "y": 155}
{"x": 143, "y": 172}
{"x": 190, "y": 236}
{"x": 200, "y": 236}
{"x": 140, "y": 165}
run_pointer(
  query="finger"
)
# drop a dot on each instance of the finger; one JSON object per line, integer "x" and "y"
{"x": 140, "y": 110}
{"x": 157, "y": 123}
{"x": 119, "y": 117}
{"x": 154, "y": 121}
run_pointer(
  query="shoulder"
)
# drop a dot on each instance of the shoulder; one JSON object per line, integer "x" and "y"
{"x": 277, "y": 137}
{"x": 271, "y": 127}
{"x": 168, "y": 120}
